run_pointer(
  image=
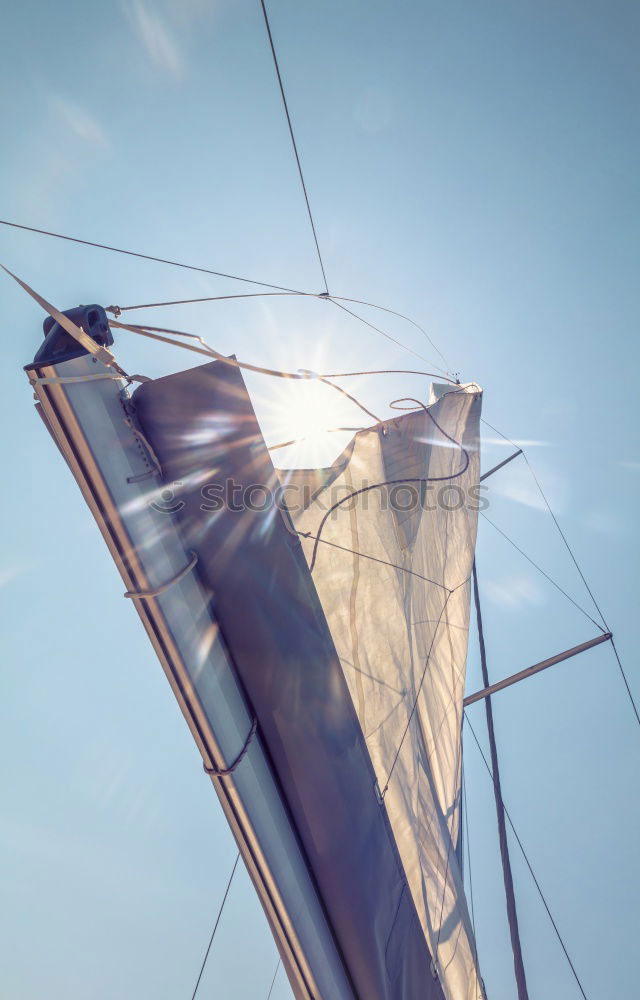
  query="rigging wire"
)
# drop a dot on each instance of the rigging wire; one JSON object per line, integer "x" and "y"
{"x": 372, "y": 326}
{"x": 337, "y": 299}
{"x": 209, "y": 351}
{"x": 279, "y": 289}
{"x": 577, "y": 566}
{"x": 118, "y": 310}
{"x": 510, "y": 896}
{"x": 540, "y": 570}
{"x": 293, "y": 142}
{"x": 155, "y": 333}
{"x": 273, "y": 981}
{"x": 626, "y": 682}
{"x": 215, "y": 926}
{"x": 146, "y": 256}
{"x": 528, "y": 863}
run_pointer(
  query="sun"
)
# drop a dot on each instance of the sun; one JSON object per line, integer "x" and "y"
{"x": 314, "y": 420}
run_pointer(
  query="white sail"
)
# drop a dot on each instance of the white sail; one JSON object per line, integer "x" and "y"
{"x": 391, "y": 565}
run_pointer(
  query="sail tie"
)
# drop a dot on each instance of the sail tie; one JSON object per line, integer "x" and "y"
{"x": 222, "y": 772}
{"x": 143, "y": 595}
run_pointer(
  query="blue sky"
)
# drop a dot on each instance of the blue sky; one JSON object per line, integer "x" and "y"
{"x": 472, "y": 165}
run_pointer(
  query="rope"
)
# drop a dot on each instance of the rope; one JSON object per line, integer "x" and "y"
{"x": 70, "y": 379}
{"x": 232, "y": 362}
{"x": 181, "y": 333}
{"x": 528, "y": 863}
{"x": 389, "y": 371}
{"x": 348, "y": 396}
{"x": 388, "y": 336}
{"x": 154, "y": 332}
{"x": 555, "y": 520}
{"x": 98, "y": 352}
{"x": 142, "y": 437}
{"x": 293, "y": 142}
{"x": 394, "y": 482}
{"x": 215, "y": 926}
{"x": 392, "y": 312}
{"x": 223, "y": 772}
{"x": 118, "y": 310}
{"x": 143, "y": 595}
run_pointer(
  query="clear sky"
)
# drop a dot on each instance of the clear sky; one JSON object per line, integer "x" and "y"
{"x": 472, "y": 164}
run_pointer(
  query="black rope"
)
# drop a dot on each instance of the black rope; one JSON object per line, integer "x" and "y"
{"x": 528, "y": 863}
{"x": 215, "y": 926}
{"x": 146, "y": 256}
{"x": 273, "y": 981}
{"x": 224, "y": 772}
{"x": 394, "y": 482}
{"x": 512, "y": 913}
{"x": 293, "y": 142}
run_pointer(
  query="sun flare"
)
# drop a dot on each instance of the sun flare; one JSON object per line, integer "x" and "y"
{"x": 315, "y": 421}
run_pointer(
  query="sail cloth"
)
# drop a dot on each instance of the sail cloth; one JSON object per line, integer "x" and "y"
{"x": 391, "y": 564}
{"x": 204, "y": 433}
{"x": 355, "y": 670}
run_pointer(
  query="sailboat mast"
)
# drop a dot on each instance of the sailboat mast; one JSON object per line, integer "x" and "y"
{"x": 512, "y": 914}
